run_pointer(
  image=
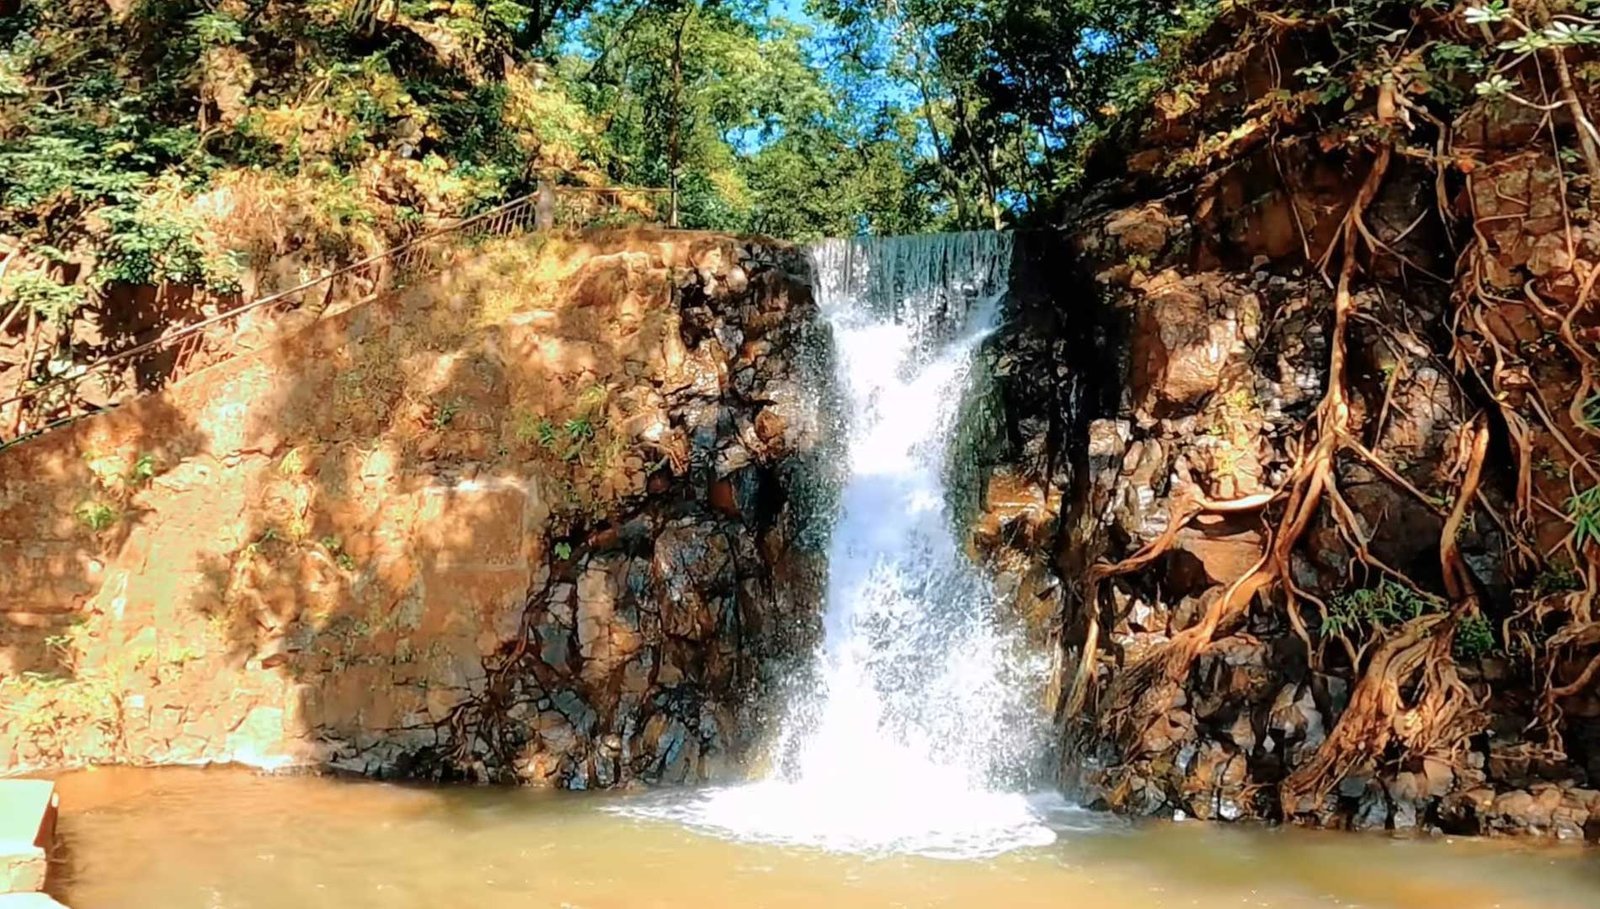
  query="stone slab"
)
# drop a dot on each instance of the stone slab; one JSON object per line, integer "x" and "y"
{"x": 28, "y": 901}
{"x": 22, "y": 867}
{"x": 28, "y": 812}
{"x": 27, "y": 832}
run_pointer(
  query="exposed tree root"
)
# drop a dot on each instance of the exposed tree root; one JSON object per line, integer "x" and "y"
{"x": 1406, "y": 695}
{"x": 1379, "y": 713}
{"x": 1184, "y": 509}
{"x": 1311, "y": 477}
{"x": 1408, "y": 690}
{"x": 1420, "y": 656}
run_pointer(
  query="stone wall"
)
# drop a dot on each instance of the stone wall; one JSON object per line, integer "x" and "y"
{"x": 541, "y": 519}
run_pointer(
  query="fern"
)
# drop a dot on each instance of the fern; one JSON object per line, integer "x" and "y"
{"x": 1583, "y": 510}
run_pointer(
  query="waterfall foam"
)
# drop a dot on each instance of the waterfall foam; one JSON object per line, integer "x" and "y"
{"x": 920, "y": 721}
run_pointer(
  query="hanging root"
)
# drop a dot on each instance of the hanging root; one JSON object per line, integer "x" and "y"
{"x": 1311, "y": 477}
{"x": 1418, "y": 659}
{"x": 1183, "y": 511}
{"x": 1165, "y": 668}
{"x": 1406, "y": 695}
{"x": 1408, "y": 690}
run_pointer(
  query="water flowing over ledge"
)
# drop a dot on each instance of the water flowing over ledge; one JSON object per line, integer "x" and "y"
{"x": 917, "y": 734}
{"x": 927, "y": 283}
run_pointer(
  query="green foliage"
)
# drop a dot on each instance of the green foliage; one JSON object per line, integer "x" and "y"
{"x": 143, "y": 470}
{"x": 568, "y": 439}
{"x": 1474, "y": 639}
{"x": 213, "y": 28}
{"x": 1558, "y": 577}
{"x": 1583, "y": 511}
{"x": 758, "y": 134}
{"x": 145, "y": 246}
{"x": 114, "y": 125}
{"x": 928, "y": 113}
{"x": 1388, "y": 605}
{"x": 47, "y": 297}
{"x": 1523, "y": 39}
{"x": 335, "y": 548}
{"x": 259, "y": 545}
{"x": 1488, "y": 12}
{"x": 1007, "y": 92}
{"x": 1551, "y": 468}
{"x": 444, "y": 413}
{"x": 1392, "y": 604}
{"x": 563, "y": 551}
{"x": 545, "y": 432}
{"x": 578, "y": 430}
{"x": 97, "y": 516}
{"x": 1591, "y": 412}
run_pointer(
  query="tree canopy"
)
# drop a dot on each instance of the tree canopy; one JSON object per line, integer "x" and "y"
{"x": 171, "y": 141}
{"x": 850, "y": 116}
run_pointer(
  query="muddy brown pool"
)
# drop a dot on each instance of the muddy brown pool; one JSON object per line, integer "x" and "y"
{"x": 231, "y": 839}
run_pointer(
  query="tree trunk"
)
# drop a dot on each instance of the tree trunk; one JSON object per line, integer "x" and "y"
{"x": 675, "y": 126}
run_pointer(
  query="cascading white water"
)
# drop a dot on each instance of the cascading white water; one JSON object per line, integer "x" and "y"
{"x": 921, "y": 719}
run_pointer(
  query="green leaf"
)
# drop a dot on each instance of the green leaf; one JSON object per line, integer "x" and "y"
{"x": 1487, "y": 13}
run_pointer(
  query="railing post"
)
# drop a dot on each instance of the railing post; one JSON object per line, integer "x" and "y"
{"x": 544, "y": 207}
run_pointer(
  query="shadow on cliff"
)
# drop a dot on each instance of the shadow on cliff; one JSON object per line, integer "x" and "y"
{"x": 70, "y": 503}
{"x": 436, "y": 476}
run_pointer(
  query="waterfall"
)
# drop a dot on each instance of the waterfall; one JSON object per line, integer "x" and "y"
{"x": 919, "y": 724}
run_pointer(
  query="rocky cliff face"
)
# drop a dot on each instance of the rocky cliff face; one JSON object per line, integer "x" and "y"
{"x": 1311, "y": 435}
{"x": 540, "y": 520}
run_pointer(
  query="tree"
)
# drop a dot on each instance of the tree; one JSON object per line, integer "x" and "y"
{"x": 1006, "y": 89}
{"x": 734, "y": 110}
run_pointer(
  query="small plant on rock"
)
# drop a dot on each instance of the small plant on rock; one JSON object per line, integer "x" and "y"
{"x": 1387, "y": 605}
{"x": 546, "y": 433}
{"x": 1551, "y": 468}
{"x": 1583, "y": 512}
{"x": 335, "y": 548}
{"x": 143, "y": 470}
{"x": 1474, "y": 639}
{"x": 579, "y": 430}
{"x": 1591, "y": 413}
{"x": 1557, "y": 578}
{"x": 445, "y": 413}
{"x": 97, "y": 516}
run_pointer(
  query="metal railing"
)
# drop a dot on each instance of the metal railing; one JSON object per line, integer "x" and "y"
{"x": 152, "y": 365}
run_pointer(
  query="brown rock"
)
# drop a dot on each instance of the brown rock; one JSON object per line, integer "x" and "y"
{"x": 1224, "y": 559}
{"x": 722, "y": 498}
{"x": 1185, "y": 332}
{"x": 1142, "y": 231}
{"x": 770, "y": 427}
